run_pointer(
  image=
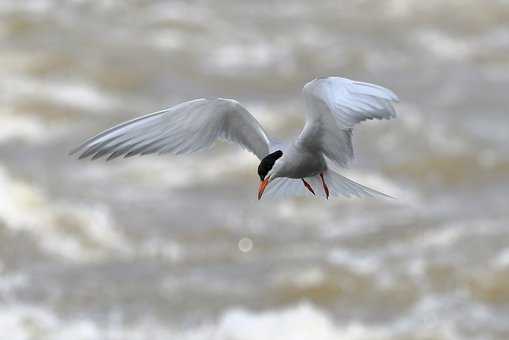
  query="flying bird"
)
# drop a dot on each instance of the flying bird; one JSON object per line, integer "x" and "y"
{"x": 306, "y": 165}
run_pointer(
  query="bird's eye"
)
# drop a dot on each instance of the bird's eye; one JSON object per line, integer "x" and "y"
{"x": 267, "y": 163}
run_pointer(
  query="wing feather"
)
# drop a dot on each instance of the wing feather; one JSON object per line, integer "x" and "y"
{"x": 334, "y": 106}
{"x": 184, "y": 128}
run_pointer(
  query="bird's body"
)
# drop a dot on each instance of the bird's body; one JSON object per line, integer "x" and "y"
{"x": 333, "y": 106}
{"x": 300, "y": 162}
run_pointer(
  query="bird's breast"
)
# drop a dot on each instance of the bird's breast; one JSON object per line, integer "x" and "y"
{"x": 300, "y": 163}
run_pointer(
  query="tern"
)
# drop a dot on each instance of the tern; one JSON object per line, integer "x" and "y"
{"x": 334, "y": 105}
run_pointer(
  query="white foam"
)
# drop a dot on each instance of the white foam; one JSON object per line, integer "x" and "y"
{"x": 361, "y": 264}
{"x": 432, "y": 317}
{"x": 444, "y": 316}
{"x": 232, "y": 58}
{"x": 291, "y": 210}
{"x": 159, "y": 248}
{"x": 10, "y": 282}
{"x": 73, "y": 94}
{"x": 74, "y": 231}
{"x": 166, "y": 39}
{"x": 33, "y": 7}
{"x": 440, "y": 238}
{"x": 273, "y": 115}
{"x": 18, "y": 86}
{"x": 351, "y": 224}
{"x": 436, "y": 134}
{"x": 303, "y": 321}
{"x": 303, "y": 277}
{"x": 502, "y": 259}
{"x": 14, "y": 126}
{"x": 441, "y": 139}
{"x": 443, "y": 45}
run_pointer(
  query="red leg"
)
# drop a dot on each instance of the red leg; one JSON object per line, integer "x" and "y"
{"x": 306, "y": 184}
{"x": 325, "y": 188}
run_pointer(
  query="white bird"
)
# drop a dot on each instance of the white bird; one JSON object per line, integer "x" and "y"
{"x": 333, "y": 106}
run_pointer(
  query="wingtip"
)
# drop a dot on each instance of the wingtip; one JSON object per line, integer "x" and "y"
{"x": 74, "y": 153}
{"x": 384, "y": 195}
{"x": 378, "y": 194}
{"x": 75, "y": 150}
{"x": 83, "y": 156}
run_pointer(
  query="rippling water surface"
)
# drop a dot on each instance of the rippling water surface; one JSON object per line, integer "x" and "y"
{"x": 148, "y": 248}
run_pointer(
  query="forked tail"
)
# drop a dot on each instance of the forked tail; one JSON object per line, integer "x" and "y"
{"x": 338, "y": 186}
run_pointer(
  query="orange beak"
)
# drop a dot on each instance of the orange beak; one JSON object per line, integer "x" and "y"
{"x": 263, "y": 185}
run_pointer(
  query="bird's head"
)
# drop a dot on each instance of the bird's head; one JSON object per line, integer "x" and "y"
{"x": 267, "y": 170}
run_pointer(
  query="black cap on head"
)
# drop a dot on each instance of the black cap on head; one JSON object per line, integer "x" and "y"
{"x": 267, "y": 163}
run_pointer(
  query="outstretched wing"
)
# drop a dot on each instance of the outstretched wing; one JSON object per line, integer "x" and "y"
{"x": 334, "y": 105}
{"x": 184, "y": 128}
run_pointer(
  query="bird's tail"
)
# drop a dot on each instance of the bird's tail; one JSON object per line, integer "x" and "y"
{"x": 338, "y": 186}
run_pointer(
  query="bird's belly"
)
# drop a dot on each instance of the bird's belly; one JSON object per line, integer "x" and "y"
{"x": 305, "y": 165}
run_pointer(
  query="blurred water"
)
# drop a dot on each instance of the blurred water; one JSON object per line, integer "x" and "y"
{"x": 148, "y": 248}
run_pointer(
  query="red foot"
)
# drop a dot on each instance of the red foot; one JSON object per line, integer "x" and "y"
{"x": 325, "y": 188}
{"x": 306, "y": 184}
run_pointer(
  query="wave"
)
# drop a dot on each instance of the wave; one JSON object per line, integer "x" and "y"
{"x": 72, "y": 231}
